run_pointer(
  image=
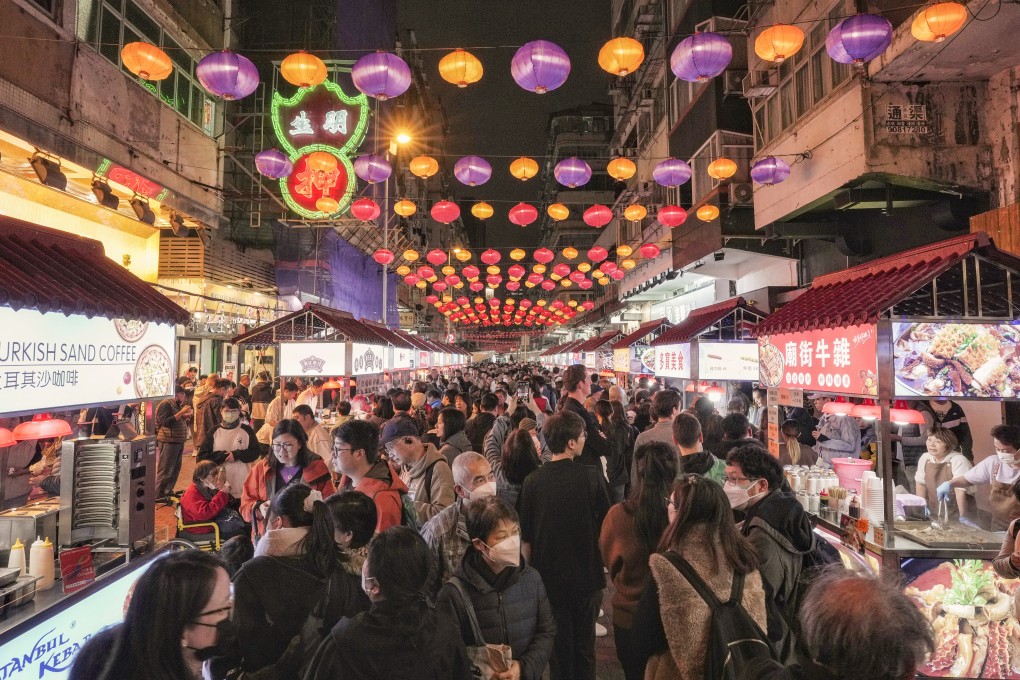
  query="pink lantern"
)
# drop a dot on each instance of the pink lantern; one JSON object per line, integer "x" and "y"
{"x": 608, "y": 267}
{"x": 410, "y": 279}
{"x": 445, "y": 212}
{"x": 585, "y": 285}
{"x": 523, "y": 214}
{"x": 548, "y": 285}
{"x": 577, "y": 276}
{"x": 471, "y": 272}
{"x": 672, "y": 215}
{"x": 525, "y": 304}
{"x": 494, "y": 302}
{"x": 432, "y": 299}
{"x": 493, "y": 280}
{"x": 587, "y": 305}
{"x": 649, "y": 250}
{"x": 513, "y": 285}
{"x": 598, "y": 215}
{"x": 426, "y": 272}
{"x": 597, "y": 254}
{"x": 617, "y": 275}
{"x": 436, "y": 256}
{"x": 365, "y": 209}
{"x": 516, "y": 271}
{"x": 452, "y": 280}
{"x": 477, "y": 286}
{"x": 383, "y": 256}
{"x": 535, "y": 279}
{"x": 562, "y": 269}
{"x": 439, "y": 286}
{"x": 558, "y": 304}
{"x": 490, "y": 256}
{"x": 544, "y": 256}
{"x": 463, "y": 301}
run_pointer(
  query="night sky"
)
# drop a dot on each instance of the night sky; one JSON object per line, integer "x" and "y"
{"x": 495, "y": 118}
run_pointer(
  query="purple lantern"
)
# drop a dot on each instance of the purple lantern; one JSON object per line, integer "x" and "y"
{"x": 372, "y": 168}
{"x": 671, "y": 172}
{"x": 700, "y": 57}
{"x": 770, "y": 170}
{"x": 572, "y": 172}
{"x": 859, "y": 38}
{"x": 227, "y": 74}
{"x": 382, "y": 75}
{"x": 540, "y": 66}
{"x": 472, "y": 170}
{"x": 273, "y": 164}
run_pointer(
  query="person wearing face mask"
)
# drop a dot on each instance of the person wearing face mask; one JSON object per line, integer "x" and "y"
{"x": 178, "y": 618}
{"x": 778, "y": 528}
{"x": 446, "y": 533}
{"x": 1001, "y": 472}
{"x": 231, "y": 444}
{"x": 207, "y": 500}
{"x": 506, "y": 595}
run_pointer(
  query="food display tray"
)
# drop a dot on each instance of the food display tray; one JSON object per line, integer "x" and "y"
{"x": 957, "y": 538}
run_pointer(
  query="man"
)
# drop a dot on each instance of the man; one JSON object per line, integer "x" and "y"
{"x": 343, "y": 412}
{"x": 424, "y": 470}
{"x": 434, "y": 399}
{"x": 261, "y": 395}
{"x": 836, "y": 436}
{"x": 596, "y": 446}
{"x": 280, "y": 408}
{"x": 312, "y": 396}
{"x": 562, "y": 505}
{"x": 665, "y": 406}
{"x": 446, "y": 533}
{"x": 756, "y": 413}
{"x": 617, "y": 393}
{"x": 242, "y": 392}
{"x": 479, "y": 425}
{"x": 546, "y": 389}
{"x": 356, "y": 457}
{"x": 171, "y": 432}
{"x": 191, "y": 375}
{"x": 401, "y": 401}
{"x": 694, "y": 458}
{"x": 319, "y": 441}
{"x": 778, "y": 528}
{"x": 207, "y": 412}
{"x": 450, "y": 397}
{"x": 231, "y": 444}
{"x": 736, "y": 432}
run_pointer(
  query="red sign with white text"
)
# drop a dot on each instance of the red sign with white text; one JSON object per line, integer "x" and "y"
{"x": 837, "y": 360}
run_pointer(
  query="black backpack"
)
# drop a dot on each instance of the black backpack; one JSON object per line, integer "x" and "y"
{"x": 734, "y": 638}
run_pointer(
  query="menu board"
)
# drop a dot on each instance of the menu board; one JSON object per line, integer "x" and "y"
{"x": 367, "y": 359}
{"x": 313, "y": 359}
{"x": 728, "y": 361}
{"x": 956, "y": 360}
{"x": 673, "y": 361}
{"x": 839, "y": 360}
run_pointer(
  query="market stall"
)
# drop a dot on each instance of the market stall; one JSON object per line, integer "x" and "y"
{"x": 633, "y": 357}
{"x": 421, "y": 361}
{"x": 400, "y": 355}
{"x": 597, "y": 352}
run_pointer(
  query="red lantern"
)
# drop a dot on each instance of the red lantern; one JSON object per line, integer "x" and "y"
{"x": 477, "y": 286}
{"x": 471, "y": 272}
{"x": 608, "y": 267}
{"x": 436, "y": 256}
{"x": 544, "y": 256}
{"x": 558, "y": 304}
{"x": 432, "y": 299}
{"x": 365, "y": 209}
{"x": 577, "y": 277}
{"x": 523, "y": 214}
{"x": 494, "y": 302}
{"x": 452, "y": 280}
{"x": 588, "y": 305}
{"x": 410, "y": 279}
{"x": 598, "y": 215}
{"x": 462, "y": 301}
{"x": 493, "y": 280}
{"x": 383, "y": 256}
{"x": 585, "y": 285}
{"x": 516, "y": 271}
{"x": 548, "y": 285}
{"x": 617, "y": 275}
{"x": 597, "y": 254}
{"x": 513, "y": 285}
{"x": 525, "y": 304}
{"x": 490, "y": 256}
{"x": 649, "y": 250}
{"x": 445, "y": 212}
{"x": 425, "y": 272}
{"x": 672, "y": 216}
{"x": 439, "y": 286}
{"x": 480, "y": 307}
{"x": 562, "y": 269}
{"x": 535, "y": 278}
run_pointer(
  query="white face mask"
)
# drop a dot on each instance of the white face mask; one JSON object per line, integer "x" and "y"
{"x": 231, "y": 417}
{"x": 1007, "y": 458}
{"x": 506, "y": 553}
{"x": 483, "y": 491}
{"x": 739, "y": 497}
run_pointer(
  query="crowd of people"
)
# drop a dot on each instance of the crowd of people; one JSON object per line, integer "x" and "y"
{"x": 467, "y": 526}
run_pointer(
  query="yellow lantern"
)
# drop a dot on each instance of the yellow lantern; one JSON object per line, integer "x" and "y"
{"x": 635, "y": 212}
{"x": 321, "y": 161}
{"x": 566, "y": 283}
{"x": 935, "y": 22}
{"x": 722, "y": 168}
{"x": 411, "y": 255}
{"x": 584, "y": 267}
{"x": 708, "y": 212}
{"x": 558, "y": 211}
{"x": 572, "y": 303}
{"x": 492, "y": 270}
{"x": 405, "y": 208}
{"x": 621, "y": 56}
{"x": 541, "y": 303}
{"x": 421, "y": 284}
{"x": 529, "y": 284}
{"x": 146, "y": 61}
{"x": 458, "y": 285}
{"x": 327, "y": 204}
{"x": 628, "y": 264}
{"x": 479, "y": 300}
{"x": 623, "y": 250}
{"x": 777, "y": 43}
{"x": 460, "y": 68}
{"x": 403, "y": 270}
{"x": 569, "y": 252}
{"x": 482, "y": 210}
{"x": 303, "y": 69}
{"x": 510, "y": 301}
{"x": 423, "y": 166}
{"x": 524, "y": 168}
{"x": 433, "y": 279}
{"x": 461, "y": 254}
{"x": 555, "y": 277}
{"x": 621, "y": 169}
{"x": 517, "y": 254}
{"x": 539, "y": 269}
{"x": 604, "y": 281}
{"x": 447, "y": 298}
{"x": 448, "y": 270}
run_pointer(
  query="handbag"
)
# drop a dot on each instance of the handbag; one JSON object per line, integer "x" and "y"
{"x": 486, "y": 660}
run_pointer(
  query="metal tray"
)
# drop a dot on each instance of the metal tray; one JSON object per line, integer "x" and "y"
{"x": 975, "y": 539}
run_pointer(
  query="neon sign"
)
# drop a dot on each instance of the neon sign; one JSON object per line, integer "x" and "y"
{"x": 319, "y": 119}
{"x": 131, "y": 180}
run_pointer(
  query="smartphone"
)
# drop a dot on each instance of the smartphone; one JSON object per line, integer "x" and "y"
{"x": 523, "y": 390}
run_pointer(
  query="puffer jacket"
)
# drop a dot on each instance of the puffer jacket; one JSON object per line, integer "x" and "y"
{"x": 519, "y": 615}
{"x": 430, "y": 491}
{"x": 454, "y": 446}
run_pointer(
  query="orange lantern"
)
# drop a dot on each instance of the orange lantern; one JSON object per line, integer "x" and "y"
{"x": 460, "y": 68}
{"x": 303, "y": 69}
{"x": 492, "y": 270}
{"x": 558, "y": 211}
{"x": 448, "y": 270}
{"x": 569, "y": 252}
{"x": 722, "y": 168}
{"x": 462, "y": 255}
{"x": 422, "y": 284}
{"x": 621, "y": 169}
{"x": 707, "y": 213}
{"x": 583, "y": 267}
{"x": 628, "y": 264}
{"x": 411, "y": 255}
{"x": 524, "y": 168}
{"x": 623, "y": 250}
{"x": 321, "y": 161}
{"x": 778, "y": 42}
{"x": 146, "y": 61}
{"x": 936, "y": 22}
{"x": 621, "y": 56}
{"x": 423, "y": 166}
{"x": 635, "y": 212}
{"x": 539, "y": 269}
{"x": 405, "y": 208}
{"x": 482, "y": 210}
{"x": 403, "y": 270}
{"x": 517, "y": 254}
{"x": 327, "y": 204}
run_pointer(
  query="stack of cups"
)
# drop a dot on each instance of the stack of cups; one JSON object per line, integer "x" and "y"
{"x": 874, "y": 499}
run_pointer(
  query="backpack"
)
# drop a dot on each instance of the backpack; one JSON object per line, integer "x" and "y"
{"x": 734, "y": 638}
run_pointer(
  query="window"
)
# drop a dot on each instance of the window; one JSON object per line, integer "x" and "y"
{"x": 108, "y": 25}
{"x": 45, "y": 5}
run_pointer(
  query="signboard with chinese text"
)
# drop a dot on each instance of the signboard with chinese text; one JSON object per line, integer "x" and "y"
{"x": 54, "y": 362}
{"x": 673, "y": 361}
{"x": 728, "y": 361}
{"x": 604, "y": 362}
{"x": 402, "y": 358}
{"x": 621, "y": 360}
{"x": 837, "y": 360}
{"x": 367, "y": 359}
{"x": 590, "y": 359}
{"x": 313, "y": 359}
{"x": 424, "y": 359}
{"x": 131, "y": 180}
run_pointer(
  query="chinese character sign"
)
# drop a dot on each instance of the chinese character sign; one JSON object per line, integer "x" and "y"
{"x": 840, "y": 360}
{"x": 367, "y": 359}
{"x": 673, "y": 361}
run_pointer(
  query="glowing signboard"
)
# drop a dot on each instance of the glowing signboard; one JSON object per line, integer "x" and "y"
{"x": 838, "y": 360}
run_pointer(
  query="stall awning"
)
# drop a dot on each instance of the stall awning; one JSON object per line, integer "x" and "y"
{"x": 312, "y": 323}
{"x": 414, "y": 340}
{"x": 596, "y": 343}
{"x": 730, "y": 319}
{"x": 53, "y": 271}
{"x": 965, "y": 276}
{"x": 643, "y": 330}
{"x": 389, "y": 335}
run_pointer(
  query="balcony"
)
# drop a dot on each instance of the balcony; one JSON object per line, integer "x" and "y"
{"x": 722, "y": 144}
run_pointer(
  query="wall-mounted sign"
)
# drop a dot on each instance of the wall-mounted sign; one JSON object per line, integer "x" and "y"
{"x": 315, "y": 125}
{"x": 401, "y": 358}
{"x": 54, "y": 362}
{"x": 313, "y": 359}
{"x": 673, "y": 361}
{"x": 591, "y": 359}
{"x": 424, "y": 359}
{"x": 621, "y": 360}
{"x": 728, "y": 361}
{"x": 956, "y": 360}
{"x": 131, "y": 180}
{"x": 367, "y": 359}
{"x": 837, "y": 360}
{"x": 906, "y": 117}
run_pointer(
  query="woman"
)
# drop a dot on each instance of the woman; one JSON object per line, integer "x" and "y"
{"x": 507, "y": 596}
{"x": 382, "y": 412}
{"x": 401, "y": 635}
{"x": 671, "y": 624}
{"x": 630, "y": 534}
{"x": 643, "y": 416}
{"x": 463, "y": 404}
{"x": 519, "y": 459}
{"x": 178, "y": 618}
{"x": 617, "y": 431}
{"x": 940, "y": 463}
{"x": 297, "y": 572}
{"x": 290, "y": 462}
{"x": 354, "y": 520}
{"x": 450, "y": 430}
{"x": 536, "y": 396}
{"x": 206, "y": 500}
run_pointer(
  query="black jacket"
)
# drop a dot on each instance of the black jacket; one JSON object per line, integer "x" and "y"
{"x": 596, "y": 446}
{"x": 477, "y": 427}
{"x": 393, "y": 641}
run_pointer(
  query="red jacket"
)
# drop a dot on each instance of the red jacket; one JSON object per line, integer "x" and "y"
{"x": 383, "y": 485}
{"x": 255, "y": 490}
{"x": 195, "y": 508}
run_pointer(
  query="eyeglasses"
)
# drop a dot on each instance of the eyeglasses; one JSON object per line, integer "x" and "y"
{"x": 228, "y": 608}
{"x": 283, "y": 447}
{"x": 390, "y": 445}
{"x": 337, "y": 450}
{"x": 737, "y": 480}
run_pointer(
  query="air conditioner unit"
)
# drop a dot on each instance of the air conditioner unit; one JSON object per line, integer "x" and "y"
{"x": 733, "y": 81}
{"x": 760, "y": 83}
{"x": 741, "y": 193}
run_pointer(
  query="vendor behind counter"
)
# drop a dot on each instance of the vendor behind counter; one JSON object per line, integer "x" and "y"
{"x": 998, "y": 474}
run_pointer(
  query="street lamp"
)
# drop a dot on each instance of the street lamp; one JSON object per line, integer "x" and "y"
{"x": 403, "y": 138}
